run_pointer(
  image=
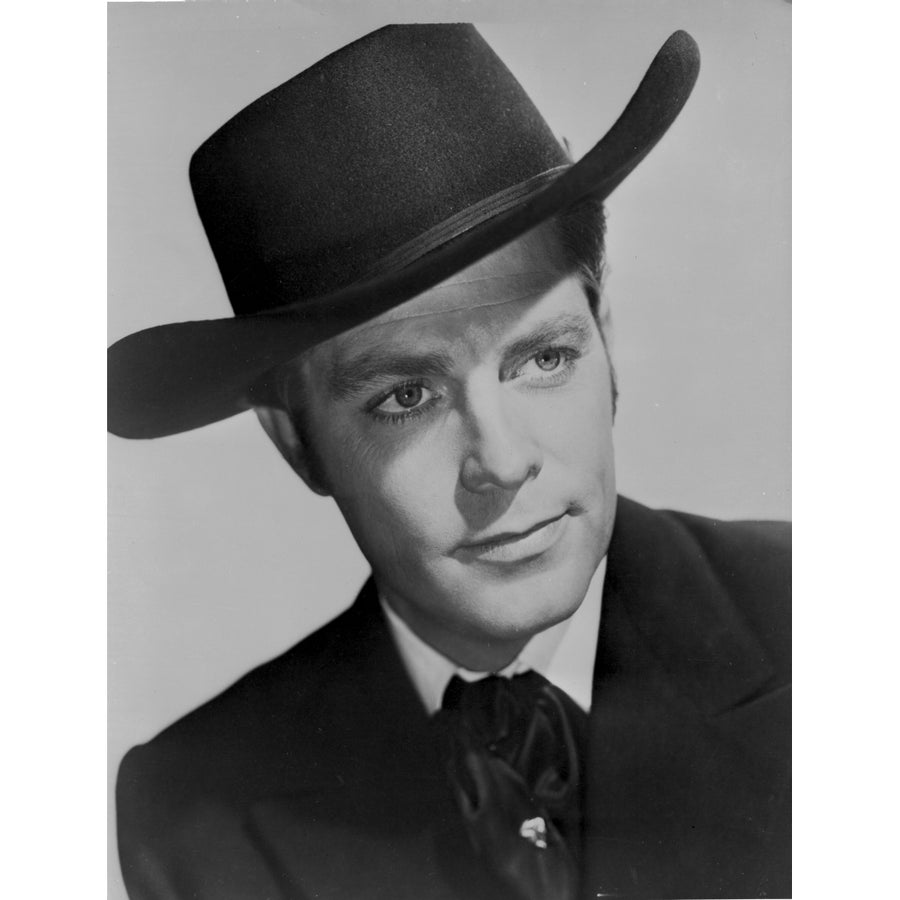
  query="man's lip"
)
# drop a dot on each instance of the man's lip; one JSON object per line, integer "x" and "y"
{"x": 506, "y": 537}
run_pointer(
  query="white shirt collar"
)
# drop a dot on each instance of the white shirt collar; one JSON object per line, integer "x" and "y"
{"x": 564, "y": 654}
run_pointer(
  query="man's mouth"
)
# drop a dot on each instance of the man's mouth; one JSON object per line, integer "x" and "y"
{"x": 516, "y": 546}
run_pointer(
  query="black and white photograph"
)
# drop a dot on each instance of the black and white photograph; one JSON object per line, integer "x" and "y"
{"x": 449, "y": 452}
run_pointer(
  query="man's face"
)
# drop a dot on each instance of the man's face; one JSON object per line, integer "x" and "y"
{"x": 467, "y": 439}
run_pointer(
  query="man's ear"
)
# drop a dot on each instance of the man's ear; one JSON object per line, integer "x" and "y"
{"x": 279, "y": 426}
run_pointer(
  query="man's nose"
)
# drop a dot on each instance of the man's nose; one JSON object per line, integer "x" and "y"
{"x": 501, "y": 452}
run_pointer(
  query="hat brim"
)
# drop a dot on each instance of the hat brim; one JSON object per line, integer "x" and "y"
{"x": 176, "y": 377}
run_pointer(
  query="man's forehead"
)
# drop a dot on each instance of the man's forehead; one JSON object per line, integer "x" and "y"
{"x": 476, "y": 305}
{"x": 522, "y": 271}
{"x": 438, "y": 344}
{"x": 524, "y": 268}
{"x": 469, "y": 300}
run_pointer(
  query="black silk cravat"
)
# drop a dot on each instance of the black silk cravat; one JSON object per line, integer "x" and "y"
{"x": 513, "y": 749}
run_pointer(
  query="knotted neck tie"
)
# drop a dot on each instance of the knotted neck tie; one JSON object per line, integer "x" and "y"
{"x": 513, "y": 758}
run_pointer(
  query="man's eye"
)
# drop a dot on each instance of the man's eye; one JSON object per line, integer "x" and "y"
{"x": 404, "y": 398}
{"x": 549, "y": 359}
{"x": 554, "y": 364}
{"x": 408, "y": 396}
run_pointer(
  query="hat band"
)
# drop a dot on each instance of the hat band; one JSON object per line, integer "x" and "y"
{"x": 461, "y": 222}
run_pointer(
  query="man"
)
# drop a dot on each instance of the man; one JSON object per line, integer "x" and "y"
{"x": 415, "y": 267}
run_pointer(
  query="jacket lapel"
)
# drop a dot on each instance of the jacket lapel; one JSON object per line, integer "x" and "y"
{"x": 678, "y": 801}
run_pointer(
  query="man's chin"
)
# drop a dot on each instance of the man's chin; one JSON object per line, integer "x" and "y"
{"x": 520, "y": 616}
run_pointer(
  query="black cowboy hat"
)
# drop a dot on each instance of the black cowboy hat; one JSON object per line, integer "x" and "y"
{"x": 360, "y": 183}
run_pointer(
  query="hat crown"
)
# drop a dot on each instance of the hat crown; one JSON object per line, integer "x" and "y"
{"x": 311, "y": 186}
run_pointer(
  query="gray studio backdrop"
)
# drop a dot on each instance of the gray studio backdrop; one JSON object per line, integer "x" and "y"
{"x": 218, "y": 556}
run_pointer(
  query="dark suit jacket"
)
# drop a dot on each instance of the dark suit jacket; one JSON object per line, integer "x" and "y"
{"x": 317, "y": 774}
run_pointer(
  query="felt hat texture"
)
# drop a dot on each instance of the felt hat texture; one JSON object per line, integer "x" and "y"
{"x": 358, "y": 184}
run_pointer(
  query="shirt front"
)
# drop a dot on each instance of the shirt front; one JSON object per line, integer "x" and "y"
{"x": 564, "y": 653}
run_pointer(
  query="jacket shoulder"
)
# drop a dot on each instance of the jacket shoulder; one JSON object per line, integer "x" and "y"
{"x": 752, "y": 560}
{"x": 749, "y": 561}
{"x": 743, "y": 545}
{"x": 283, "y": 686}
{"x": 226, "y": 753}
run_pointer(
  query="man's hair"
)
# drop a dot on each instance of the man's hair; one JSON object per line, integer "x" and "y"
{"x": 581, "y": 231}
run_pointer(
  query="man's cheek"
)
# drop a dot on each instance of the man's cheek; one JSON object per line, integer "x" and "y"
{"x": 420, "y": 476}
{"x": 586, "y": 419}
{"x": 422, "y": 516}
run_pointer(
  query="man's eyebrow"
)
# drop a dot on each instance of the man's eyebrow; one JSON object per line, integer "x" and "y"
{"x": 576, "y": 328}
{"x": 352, "y": 377}
{"x": 349, "y": 378}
